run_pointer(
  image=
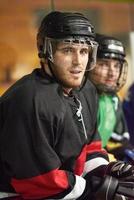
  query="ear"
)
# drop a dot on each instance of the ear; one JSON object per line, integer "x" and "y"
{"x": 44, "y": 61}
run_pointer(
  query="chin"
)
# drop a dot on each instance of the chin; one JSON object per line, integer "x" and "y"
{"x": 72, "y": 85}
{"x": 76, "y": 85}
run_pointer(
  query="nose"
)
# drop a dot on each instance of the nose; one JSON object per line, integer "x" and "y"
{"x": 76, "y": 58}
{"x": 111, "y": 70}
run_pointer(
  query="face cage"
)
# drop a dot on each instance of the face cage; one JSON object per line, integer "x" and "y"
{"x": 120, "y": 82}
{"x": 51, "y": 44}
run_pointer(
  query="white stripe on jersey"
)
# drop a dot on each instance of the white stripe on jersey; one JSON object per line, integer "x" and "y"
{"x": 78, "y": 189}
{"x": 93, "y": 164}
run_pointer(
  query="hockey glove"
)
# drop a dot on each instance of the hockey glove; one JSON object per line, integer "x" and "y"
{"x": 121, "y": 170}
{"x": 112, "y": 189}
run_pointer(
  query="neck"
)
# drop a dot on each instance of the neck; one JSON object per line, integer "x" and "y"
{"x": 46, "y": 68}
{"x": 67, "y": 91}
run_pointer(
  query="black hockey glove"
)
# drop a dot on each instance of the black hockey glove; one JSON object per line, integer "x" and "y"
{"x": 121, "y": 170}
{"x": 116, "y": 183}
{"x": 111, "y": 189}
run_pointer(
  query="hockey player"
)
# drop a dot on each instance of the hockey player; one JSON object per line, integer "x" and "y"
{"x": 49, "y": 146}
{"x": 109, "y": 76}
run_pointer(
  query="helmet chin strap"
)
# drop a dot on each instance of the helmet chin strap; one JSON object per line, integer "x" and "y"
{"x": 49, "y": 63}
{"x": 51, "y": 70}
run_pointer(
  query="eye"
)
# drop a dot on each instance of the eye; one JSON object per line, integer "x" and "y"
{"x": 103, "y": 64}
{"x": 117, "y": 65}
{"x": 84, "y": 51}
{"x": 67, "y": 50}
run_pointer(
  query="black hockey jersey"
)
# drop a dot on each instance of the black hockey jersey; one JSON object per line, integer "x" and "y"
{"x": 48, "y": 142}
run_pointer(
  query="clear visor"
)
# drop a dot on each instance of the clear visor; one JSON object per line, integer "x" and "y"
{"x": 123, "y": 76}
{"x": 51, "y": 45}
{"x": 106, "y": 82}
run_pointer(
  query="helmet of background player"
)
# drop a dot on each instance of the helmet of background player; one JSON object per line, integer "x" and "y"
{"x": 110, "y": 48}
{"x": 65, "y": 27}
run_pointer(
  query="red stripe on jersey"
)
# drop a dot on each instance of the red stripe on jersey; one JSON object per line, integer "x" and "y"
{"x": 95, "y": 146}
{"x": 79, "y": 164}
{"x": 88, "y": 149}
{"x": 41, "y": 186}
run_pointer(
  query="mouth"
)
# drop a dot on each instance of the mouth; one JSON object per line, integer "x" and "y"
{"x": 75, "y": 71}
{"x": 76, "y": 74}
{"x": 110, "y": 81}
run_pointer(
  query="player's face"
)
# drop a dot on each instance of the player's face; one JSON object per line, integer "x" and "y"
{"x": 107, "y": 72}
{"x": 70, "y": 62}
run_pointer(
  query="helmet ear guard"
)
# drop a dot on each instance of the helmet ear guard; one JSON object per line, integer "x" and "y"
{"x": 41, "y": 54}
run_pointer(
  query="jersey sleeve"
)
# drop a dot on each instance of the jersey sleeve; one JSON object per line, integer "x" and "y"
{"x": 97, "y": 157}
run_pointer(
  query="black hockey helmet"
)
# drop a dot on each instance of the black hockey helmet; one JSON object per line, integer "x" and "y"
{"x": 66, "y": 26}
{"x": 62, "y": 24}
{"x": 110, "y": 48}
